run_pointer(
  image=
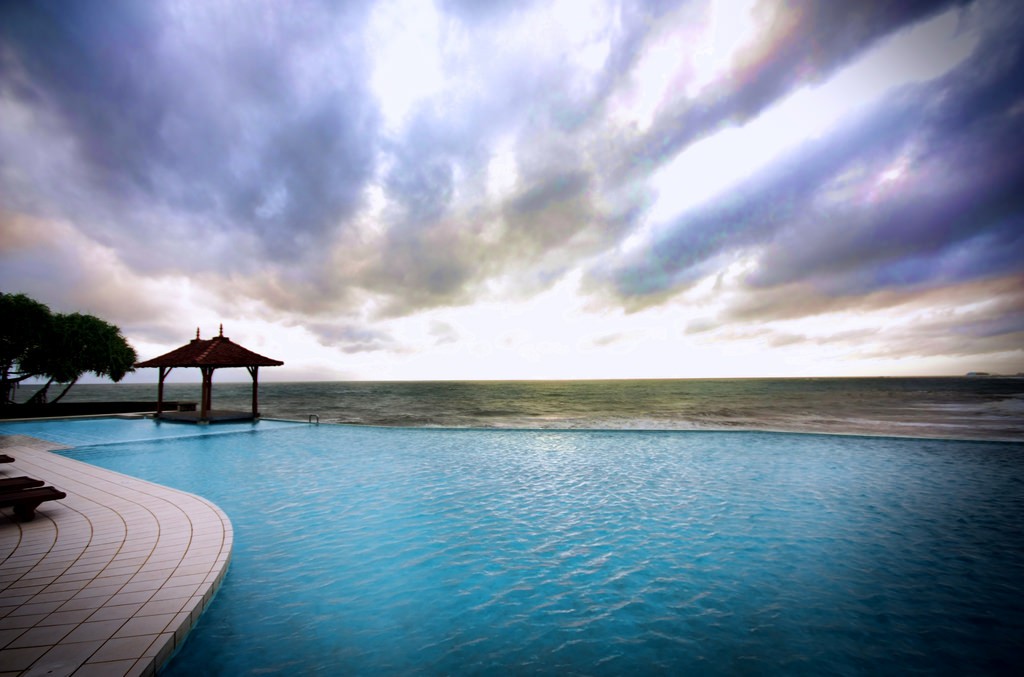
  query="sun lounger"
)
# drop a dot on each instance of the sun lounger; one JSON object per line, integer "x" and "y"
{"x": 4, "y": 458}
{"x": 8, "y": 483}
{"x": 25, "y": 501}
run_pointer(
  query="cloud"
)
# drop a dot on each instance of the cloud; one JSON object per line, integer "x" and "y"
{"x": 802, "y": 42}
{"x": 607, "y": 340}
{"x": 355, "y": 176}
{"x": 217, "y": 139}
{"x": 443, "y": 333}
{"x": 352, "y": 339}
{"x": 955, "y": 213}
{"x": 919, "y": 190}
{"x": 972, "y": 317}
{"x": 51, "y": 260}
{"x": 230, "y": 122}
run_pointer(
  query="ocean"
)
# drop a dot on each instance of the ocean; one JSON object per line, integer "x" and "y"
{"x": 951, "y": 407}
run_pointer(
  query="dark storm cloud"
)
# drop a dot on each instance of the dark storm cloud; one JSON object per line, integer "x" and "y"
{"x": 822, "y": 218}
{"x": 205, "y": 115}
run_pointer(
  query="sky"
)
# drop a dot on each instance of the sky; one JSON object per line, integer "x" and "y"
{"x": 499, "y": 189}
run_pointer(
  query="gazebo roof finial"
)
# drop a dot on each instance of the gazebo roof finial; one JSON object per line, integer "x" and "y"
{"x": 222, "y": 330}
{"x": 197, "y": 333}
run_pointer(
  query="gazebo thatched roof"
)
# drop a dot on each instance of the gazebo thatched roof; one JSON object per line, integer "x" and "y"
{"x": 218, "y": 352}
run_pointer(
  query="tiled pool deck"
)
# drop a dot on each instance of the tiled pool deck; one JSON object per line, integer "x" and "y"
{"x": 107, "y": 581}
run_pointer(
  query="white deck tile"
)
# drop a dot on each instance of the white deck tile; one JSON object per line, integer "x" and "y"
{"x": 109, "y": 669}
{"x": 27, "y": 621}
{"x": 109, "y": 580}
{"x": 120, "y": 612}
{"x": 61, "y": 617}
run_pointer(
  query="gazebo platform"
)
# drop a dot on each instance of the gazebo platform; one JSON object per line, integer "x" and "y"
{"x": 212, "y": 416}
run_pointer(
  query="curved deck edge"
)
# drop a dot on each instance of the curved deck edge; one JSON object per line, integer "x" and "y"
{"x": 109, "y": 580}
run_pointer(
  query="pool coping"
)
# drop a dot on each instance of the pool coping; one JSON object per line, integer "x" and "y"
{"x": 110, "y": 579}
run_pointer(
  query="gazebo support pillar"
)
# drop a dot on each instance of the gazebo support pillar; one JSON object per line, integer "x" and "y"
{"x": 164, "y": 371}
{"x": 207, "y": 398}
{"x": 254, "y": 372}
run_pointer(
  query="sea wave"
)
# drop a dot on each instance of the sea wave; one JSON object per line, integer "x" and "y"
{"x": 971, "y": 408}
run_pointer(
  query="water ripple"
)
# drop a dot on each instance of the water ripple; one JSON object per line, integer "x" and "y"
{"x": 396, "y": 551}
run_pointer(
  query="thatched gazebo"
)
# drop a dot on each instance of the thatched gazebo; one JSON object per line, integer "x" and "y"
{"x": 216, "y": 353}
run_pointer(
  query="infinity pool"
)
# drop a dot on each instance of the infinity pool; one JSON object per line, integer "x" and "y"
{"x": 79, "y": 432}
{"x": 396, "y": 551}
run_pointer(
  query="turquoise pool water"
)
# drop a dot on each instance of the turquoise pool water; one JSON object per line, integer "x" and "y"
{"x": 397, "y": 551}
{"x": 78, "y": 432}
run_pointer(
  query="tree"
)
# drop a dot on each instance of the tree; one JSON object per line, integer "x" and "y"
{"x": 78, "y": 344}
{"x": 24, "y": 323}
{"x": 62, "y": 348}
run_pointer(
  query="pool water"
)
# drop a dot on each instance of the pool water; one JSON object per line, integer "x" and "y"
{"x": 76, "y": 432}
{"x": 396, "y": 551}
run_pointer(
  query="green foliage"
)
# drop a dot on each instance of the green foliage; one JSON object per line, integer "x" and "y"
{"x": 23, "y": 323}
{"x": 59, "y": 347}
